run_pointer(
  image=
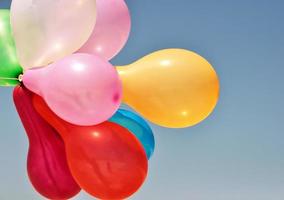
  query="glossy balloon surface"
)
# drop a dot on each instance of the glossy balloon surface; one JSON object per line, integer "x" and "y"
{"x": 137, "y": 126}
{"x": 111, "y": 30}
{"x": 47, "y": 30}
{"x": 81, "y": 89}
{"x": 174, "y": 88}
{"x": 46, "y": 163}
{"x": 9, "y": 65}
{"x": 106, "y": 160}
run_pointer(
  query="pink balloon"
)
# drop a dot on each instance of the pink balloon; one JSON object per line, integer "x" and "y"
{"x": 111, "y": 30}
{"x": 82, "y": 89}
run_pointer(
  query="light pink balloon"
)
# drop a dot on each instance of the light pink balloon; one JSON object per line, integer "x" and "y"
{"x": 82, "y": 89}
{"x": 111, "y": 30}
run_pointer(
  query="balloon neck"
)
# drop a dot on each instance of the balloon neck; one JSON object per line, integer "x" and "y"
{"x": 33, "y": 79}
{"x": 16, "y": 81}
{"x": 7, "y": 78}
{"x": 123, "y": 73}
{"x": 22, "y": 100}
{"x": 61, "y": 129}
{"x": 57, "y": 123}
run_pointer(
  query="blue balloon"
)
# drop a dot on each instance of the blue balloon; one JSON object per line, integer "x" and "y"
{"x": 138, "y": 126}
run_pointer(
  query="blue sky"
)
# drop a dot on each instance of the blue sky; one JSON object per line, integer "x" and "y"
{"x": 237, "y": 153}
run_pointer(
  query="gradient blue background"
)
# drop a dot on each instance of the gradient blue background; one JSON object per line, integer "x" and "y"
{"x": 238, "y": 152}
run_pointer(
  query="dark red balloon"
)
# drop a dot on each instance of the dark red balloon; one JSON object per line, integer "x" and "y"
{"x": 106, "y": 160}
{"x": 46, "y": 164}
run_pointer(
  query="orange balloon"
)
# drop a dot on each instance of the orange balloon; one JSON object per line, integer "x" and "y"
{"x": 174, "y": 88}
{"x": 106, "y": 160}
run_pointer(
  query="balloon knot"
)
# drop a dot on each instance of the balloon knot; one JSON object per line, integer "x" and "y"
{"x": 20, "y": 78}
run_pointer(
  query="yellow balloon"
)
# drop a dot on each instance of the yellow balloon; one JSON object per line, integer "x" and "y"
{"x": 173, "y": 88}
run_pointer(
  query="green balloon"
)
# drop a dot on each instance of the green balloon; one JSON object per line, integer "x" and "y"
{"x": 10, "y": 68}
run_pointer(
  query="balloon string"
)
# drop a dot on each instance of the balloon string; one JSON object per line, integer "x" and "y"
{"x": 12, "y": 79}
{"x": 4, "y": 78}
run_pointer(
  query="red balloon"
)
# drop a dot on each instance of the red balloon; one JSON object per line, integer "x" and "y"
{"x": 46, "y": 164}
{"x": 106, "y": 160}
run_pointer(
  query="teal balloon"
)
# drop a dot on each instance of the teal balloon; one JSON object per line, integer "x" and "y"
{"x": 137, "y": 126}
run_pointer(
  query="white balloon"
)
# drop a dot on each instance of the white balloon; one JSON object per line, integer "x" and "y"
{"x": 48, "y": 30}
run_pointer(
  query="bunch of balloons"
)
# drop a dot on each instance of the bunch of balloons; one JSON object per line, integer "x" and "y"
{"x": 68, "y": 95}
